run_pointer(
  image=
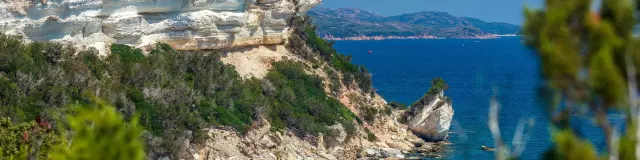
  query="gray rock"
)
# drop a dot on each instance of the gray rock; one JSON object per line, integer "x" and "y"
{"x": 430, "y": 118}
{"x": 196, "y": 156}
{"x": 371, "y": 152}
{"x": 417, "y": 144}
{"x": 413, "y": 158}
{"x": 340, "y": 133}
{"x": 328, "y": 156}
{"x": 266, "y": 142}
{"x": 391, "y": 153}
{"x": 431, "y": 155}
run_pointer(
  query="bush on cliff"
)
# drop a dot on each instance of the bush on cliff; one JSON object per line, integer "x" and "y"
{"x": 301, "y": 102}
{"x": 397, "y": 105}
{"x": 438, "y": 85}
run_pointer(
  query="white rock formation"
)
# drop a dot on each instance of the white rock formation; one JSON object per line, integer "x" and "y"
{"x": 184, "y": 24}
{"x": 430, "y": 118}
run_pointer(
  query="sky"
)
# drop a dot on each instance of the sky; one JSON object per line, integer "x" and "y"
{"x": 509, "y": 11}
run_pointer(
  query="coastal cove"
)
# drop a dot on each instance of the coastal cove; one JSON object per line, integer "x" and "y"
{"x": 476, "y": 70}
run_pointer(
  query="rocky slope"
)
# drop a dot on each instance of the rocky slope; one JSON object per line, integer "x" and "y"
{"x": 251, "y": 34}
{"x": 356, "y": 24}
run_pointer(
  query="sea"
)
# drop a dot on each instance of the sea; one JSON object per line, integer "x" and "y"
{"x": 476, "y": 71}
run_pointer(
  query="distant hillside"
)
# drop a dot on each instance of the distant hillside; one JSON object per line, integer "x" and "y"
{"x": 345, "y": 23}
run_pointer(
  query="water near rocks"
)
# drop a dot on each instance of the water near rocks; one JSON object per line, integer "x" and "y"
{"x": 476, "y": 70}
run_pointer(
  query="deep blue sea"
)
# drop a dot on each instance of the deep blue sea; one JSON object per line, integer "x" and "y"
{"x": 476, "y": 70}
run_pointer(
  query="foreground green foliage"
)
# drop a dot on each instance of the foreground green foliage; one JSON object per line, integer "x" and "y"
{"x": 99, "y": 132}
{"x": 570, "y": 147}
{"x": 95, "y": 132}
{"x": 588, "y": 60}
{"x": 27, "y": 139}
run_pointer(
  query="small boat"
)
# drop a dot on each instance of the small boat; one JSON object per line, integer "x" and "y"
{"x": 485, "y": 148}
{"x": 370, "y": 52}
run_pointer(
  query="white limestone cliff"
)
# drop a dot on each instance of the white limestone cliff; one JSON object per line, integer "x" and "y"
{"x": 183, "y": 24}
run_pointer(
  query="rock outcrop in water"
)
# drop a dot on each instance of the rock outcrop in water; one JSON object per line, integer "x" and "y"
{"x": 184, "y": 24}
{"x": 430, "y": 117}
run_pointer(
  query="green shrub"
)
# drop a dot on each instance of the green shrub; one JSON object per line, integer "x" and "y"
{"x": 26, "y": 140}
{"x": 369, "y": 113}
{"x": 370, "y": 136}
{"x": 301, "y": 102}
{"x": 437, "y": 85}
{"x": 100, "y": 133}
{"x": 334, "y": 78}
{"x": 397, "y": 105}
{"x": 387, "y": 110}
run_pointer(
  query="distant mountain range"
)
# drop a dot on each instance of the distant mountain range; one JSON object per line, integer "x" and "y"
{"x": 356, "y": 24}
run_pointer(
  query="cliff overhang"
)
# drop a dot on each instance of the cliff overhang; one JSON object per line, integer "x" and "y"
{"x": 183, "y": 24}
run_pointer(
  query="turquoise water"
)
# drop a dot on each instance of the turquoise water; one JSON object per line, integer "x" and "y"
{"x": 476, "y": 70}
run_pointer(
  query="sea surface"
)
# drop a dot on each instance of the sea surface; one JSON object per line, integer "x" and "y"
{"x": 476, "y": 71}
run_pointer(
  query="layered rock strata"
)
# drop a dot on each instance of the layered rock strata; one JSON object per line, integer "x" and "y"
{"x": 184, "y": 24}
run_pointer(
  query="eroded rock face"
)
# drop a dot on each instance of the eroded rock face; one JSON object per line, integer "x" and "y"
{"x": 184, "y": 24}
{"x": 430, "y": 118}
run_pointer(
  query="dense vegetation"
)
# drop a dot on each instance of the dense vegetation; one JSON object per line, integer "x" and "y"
{"x": 589, "y": 59}
{"x": 176, "y": 95}
{"x": 299, "y": 101}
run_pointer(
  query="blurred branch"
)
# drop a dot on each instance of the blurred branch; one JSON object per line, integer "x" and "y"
{"x": 633, "y": 98}
{"x": 494, "y": 112}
